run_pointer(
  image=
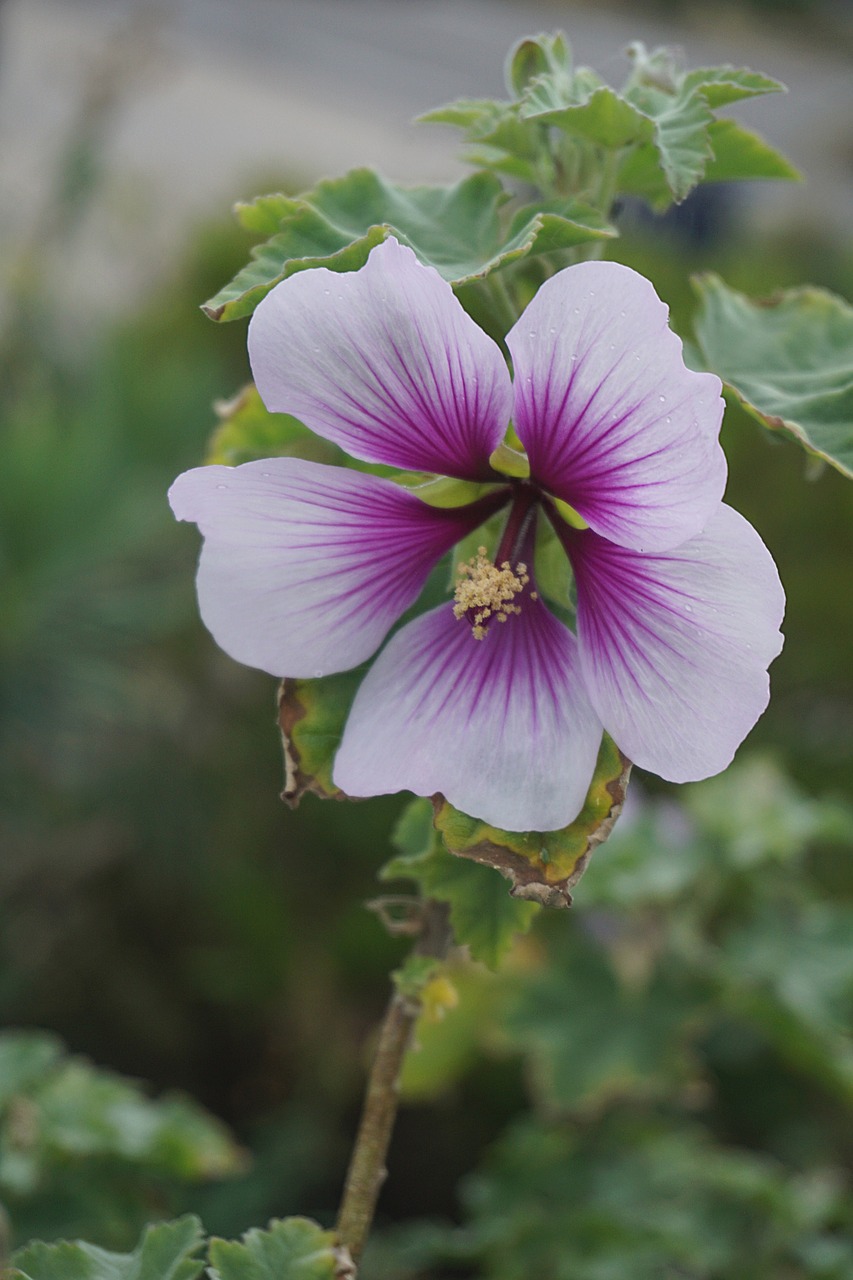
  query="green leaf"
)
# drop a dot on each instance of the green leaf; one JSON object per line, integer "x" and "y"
{"x": 543, "y": 866}
{"x": 789, "y": 359}
{"x": 456, "y": 229}
{"x": 606, "y": 118}
{"x": 167, "y": 1251}
{"x": 789, "y": 972}
{"x": 741, "y": 154}
{"x": 290, "y": 1249}
{"x": 721, "y": 85}
{"x": 484, "y": 916}
{"x": 311, "y": 716}
{"x": 25, "y": 1058}
{"x": 248, "y": 431}
{"x": 540, "y": 56}
{"x": 594, "y": 1037}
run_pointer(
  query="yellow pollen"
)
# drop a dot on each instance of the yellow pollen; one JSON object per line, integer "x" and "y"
{"x": 484, "y": 591}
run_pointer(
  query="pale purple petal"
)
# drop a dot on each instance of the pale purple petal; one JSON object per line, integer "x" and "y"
{"x": 611, "y": 419}
{"x": 305, "y": 567}
{"x": 675, "y": 646}
{"x": 501, "y": 726}
{"x": 384, "y": 362}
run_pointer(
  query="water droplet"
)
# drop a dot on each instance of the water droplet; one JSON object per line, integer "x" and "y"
{"x": 688, "y": 608}
{"x": 222, "y": 486}
{"x": 668, "y": 421}
{"x": 532, "y": 333}
{"x": 552, "y": 329}
{"x": 576, "y": 310}
{"x": 327, "y": 292}
{"x": 318, "y": 675}
{"x": 266, "y": 474}
{"x": 622, "y": 314}
{"x": 662, "y": 399}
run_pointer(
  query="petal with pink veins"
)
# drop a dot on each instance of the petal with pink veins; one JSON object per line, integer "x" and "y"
{"x": 500, "y": 726}
{"x": 305, "y": 567}
{"x": 612, "y": 420}
{"x": 385, "y": 363}
{"x": 675, "y": 647}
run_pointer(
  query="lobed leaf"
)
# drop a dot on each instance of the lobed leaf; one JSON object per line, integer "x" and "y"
{"x": 789, "y": 359}
{"x": 724, "y": 84}
{"x": 543, "y": 866}
{"x": 290, "y": 1249}
{"x": 167, "y": 1251}
{"x": 455, "y": 229}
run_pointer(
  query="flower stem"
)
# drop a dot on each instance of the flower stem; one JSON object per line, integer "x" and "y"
{"x": 367, "y": 1171}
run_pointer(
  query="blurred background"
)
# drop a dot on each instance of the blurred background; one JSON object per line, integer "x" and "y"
{"x": 687, "y": 1025}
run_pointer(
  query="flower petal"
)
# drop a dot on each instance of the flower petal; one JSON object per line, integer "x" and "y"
{"x": 612, "y": 420}
{"x": 675, "y": 646}
{"x": 501, "y": 726}
{"x": 384, "y": 362}
{"x": 306, "y": 567}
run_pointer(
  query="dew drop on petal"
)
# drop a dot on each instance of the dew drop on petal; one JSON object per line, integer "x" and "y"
{"x": 662, "y": 399}
{"x": 222, "y": 486}
{"x": 688, "y": 608}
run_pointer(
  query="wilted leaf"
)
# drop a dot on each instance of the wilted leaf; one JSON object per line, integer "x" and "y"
{"x": 311, "y": 716}
{"x": 290, "y": 1249}
{"x": 167, "y": 1251}
{"x": 543, "y": 865}
{"x": 788, "y": 358}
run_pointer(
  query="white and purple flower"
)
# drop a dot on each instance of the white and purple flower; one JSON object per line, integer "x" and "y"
{"x": 491, "y": 699}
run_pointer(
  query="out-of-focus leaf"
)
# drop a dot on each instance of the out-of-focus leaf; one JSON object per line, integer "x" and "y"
{"x": 247, "y": 431}
{"x": 484, "y": 916}
{"x": 543, "y": 865}
{"x": 637, "y": 1197}
{"x": 290, "y": 1249}
{"x": 72, "y": 1111}
{"x": 167, "y": 1251}
{"x": 740, "y": 154}
{"x": 789, "y": 359}
{"x": 456, "y": 229}
{"x": 593, "y": 1037}
{"x": 548, "y": 55}
{"x": 789, "y": 972}
{"x": 25, "y": 1058}
{"x": 758, "y": 814}
{"x": 721, "y": 85}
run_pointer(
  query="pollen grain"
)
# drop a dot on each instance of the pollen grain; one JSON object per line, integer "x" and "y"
{"x": 485, "y": 591}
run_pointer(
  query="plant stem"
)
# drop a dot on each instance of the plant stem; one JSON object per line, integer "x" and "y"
{"x": 367, "y": 1171}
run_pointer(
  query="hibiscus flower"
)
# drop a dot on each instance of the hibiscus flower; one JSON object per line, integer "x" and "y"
{"x": 491, "y": 698}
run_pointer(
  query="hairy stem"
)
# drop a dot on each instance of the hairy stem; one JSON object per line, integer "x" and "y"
{"x": 367, "y": 1171}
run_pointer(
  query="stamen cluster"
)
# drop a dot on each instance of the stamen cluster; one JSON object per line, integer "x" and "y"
{"x": 485, "y": 590}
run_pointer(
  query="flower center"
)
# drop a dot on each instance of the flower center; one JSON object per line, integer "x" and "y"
{"x": 485, "y": 591}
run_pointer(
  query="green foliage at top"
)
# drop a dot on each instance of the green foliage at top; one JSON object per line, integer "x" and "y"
{"x": 788, "y": 358}
{"x": 578, "y": 142}
{"x": 167, "y": 1251}
{"x": 456, "y": 229}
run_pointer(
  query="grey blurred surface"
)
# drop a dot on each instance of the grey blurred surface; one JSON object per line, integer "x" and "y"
{"x": 195, "y": 103}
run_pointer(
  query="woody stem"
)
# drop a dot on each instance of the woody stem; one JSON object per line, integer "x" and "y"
{"x": 367, "y": 1171}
